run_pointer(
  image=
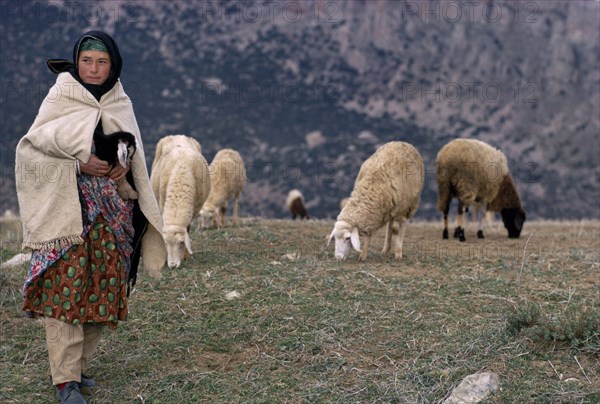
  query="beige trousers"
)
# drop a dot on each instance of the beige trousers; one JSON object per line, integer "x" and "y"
{"x": 70, "y": 348}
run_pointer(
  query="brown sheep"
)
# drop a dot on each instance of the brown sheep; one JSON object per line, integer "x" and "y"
{"x": 295, "y": 205}
{"x": 477, "y": 174}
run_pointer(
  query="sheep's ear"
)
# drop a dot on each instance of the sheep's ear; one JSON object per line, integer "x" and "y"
{"x": 355, "y": 239}
{"x": 331, "y": 237}
{"x": 219, "y": 219}
{"x": 158, "y": 153}
{"x": 188, "y": 243}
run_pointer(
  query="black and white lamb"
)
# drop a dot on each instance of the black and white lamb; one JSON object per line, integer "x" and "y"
{"x": 117, "y": 147}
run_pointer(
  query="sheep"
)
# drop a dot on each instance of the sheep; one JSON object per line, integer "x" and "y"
{"x": 181, "y": 183}
{"x": 387, "y": 191}
{"x": 477, "y": 174}
{"x": 295, "y": 204}
{"x": 228, "y": 177}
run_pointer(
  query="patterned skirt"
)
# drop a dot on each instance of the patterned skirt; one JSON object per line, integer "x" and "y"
{"x": 86, "y": 283}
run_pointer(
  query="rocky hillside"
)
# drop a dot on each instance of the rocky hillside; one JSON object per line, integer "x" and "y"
{"x": 306, "y": 90}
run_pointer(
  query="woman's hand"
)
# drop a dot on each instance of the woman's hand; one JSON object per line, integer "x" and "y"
{"x": 118, "y": 172}
{"x": 95, "y": 166}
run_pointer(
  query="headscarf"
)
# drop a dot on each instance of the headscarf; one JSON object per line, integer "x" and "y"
{"x": 62, "y": 65}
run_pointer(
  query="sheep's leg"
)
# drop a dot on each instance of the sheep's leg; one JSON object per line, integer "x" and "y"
{"x": 125, "y": 190}
{"x": 481, "y": 211}
{"x": 400, "y": 239}
{"x": 445, "y": 232}
{"x": 459, "y": 232}
{"x": 444, "y": 204}
{"x": 387, "y": 244}
{"x": 236, "y": 207}
{"x": 365, "y": 249}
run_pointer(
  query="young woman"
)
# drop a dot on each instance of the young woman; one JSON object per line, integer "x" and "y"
{"x": 86, "y": 241}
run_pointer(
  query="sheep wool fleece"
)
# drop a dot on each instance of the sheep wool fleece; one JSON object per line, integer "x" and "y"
{"x": 46, "y": 162}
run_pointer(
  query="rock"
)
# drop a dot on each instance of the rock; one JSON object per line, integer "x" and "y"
{"x": 232, "y": 295}
{"x": 291, "y": 256}
{"x": 474, "y": 388}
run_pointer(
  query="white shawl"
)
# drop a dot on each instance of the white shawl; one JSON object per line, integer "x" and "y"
{"x": 46, "y": 172}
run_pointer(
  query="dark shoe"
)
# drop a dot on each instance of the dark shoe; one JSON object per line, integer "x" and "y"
{"x": 88, "y": 385}
{"x": 70, "y": 394}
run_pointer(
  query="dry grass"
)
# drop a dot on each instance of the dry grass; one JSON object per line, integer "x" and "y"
{"x": 307, "y": 328}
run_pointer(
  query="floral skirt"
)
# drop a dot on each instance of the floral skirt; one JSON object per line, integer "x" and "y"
{"x": 85, "y": 285}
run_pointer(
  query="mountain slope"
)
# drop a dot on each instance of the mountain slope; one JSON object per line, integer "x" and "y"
{"x": 306, "y": 90}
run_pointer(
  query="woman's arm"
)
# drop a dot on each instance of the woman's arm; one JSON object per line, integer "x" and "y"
{"x": 94, "y": 166}
{"x": 100, "y": 168}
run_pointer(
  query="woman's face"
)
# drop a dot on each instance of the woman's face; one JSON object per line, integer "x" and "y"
{"x": 93, "y": 66}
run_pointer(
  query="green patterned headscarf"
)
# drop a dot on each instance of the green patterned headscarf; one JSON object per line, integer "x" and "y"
{"x": 93, "y": 44}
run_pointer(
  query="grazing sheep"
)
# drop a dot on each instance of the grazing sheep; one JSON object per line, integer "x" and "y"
{"x": 181, "y": 182}
{"x": 386, "y": 192}
{"x": 295, "y": 204}
{"x": 228, "y": 177}
{"x": 477, "y": 174}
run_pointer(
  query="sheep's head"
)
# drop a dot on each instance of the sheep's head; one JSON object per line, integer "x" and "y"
{"x": 345, "y": 236}
{"x": 205, "y": 217}
{"x": 209, "y": 216}
{"x": 178, "y": 243}
{"x": 513, "y": 219}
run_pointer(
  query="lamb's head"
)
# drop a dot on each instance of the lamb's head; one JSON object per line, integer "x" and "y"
{"x": 345, "y": 236}
{"x": 125, "y": 153}
{"x": 513, "y": 219}
{"x": 178, "y": 243}
{"x": 126, "y": 147}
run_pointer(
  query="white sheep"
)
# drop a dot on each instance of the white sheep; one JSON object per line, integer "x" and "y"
{"x": 477, "y": 174}
{"x": 386, "y": 192}
{"x": 181, "y": 183}
{"x": 228, "y": 177}
{"x": 295, "y": 204}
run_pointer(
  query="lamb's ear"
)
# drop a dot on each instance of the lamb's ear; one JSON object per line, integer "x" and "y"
{"x": 131, "y": 149}
{"x": 188, "y": 243}
{"x": 122, "y": 153}
{"x": 355, "y": 239}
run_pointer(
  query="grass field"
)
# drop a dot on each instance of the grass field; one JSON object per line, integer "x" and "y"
{"x": 306, "y": 328}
